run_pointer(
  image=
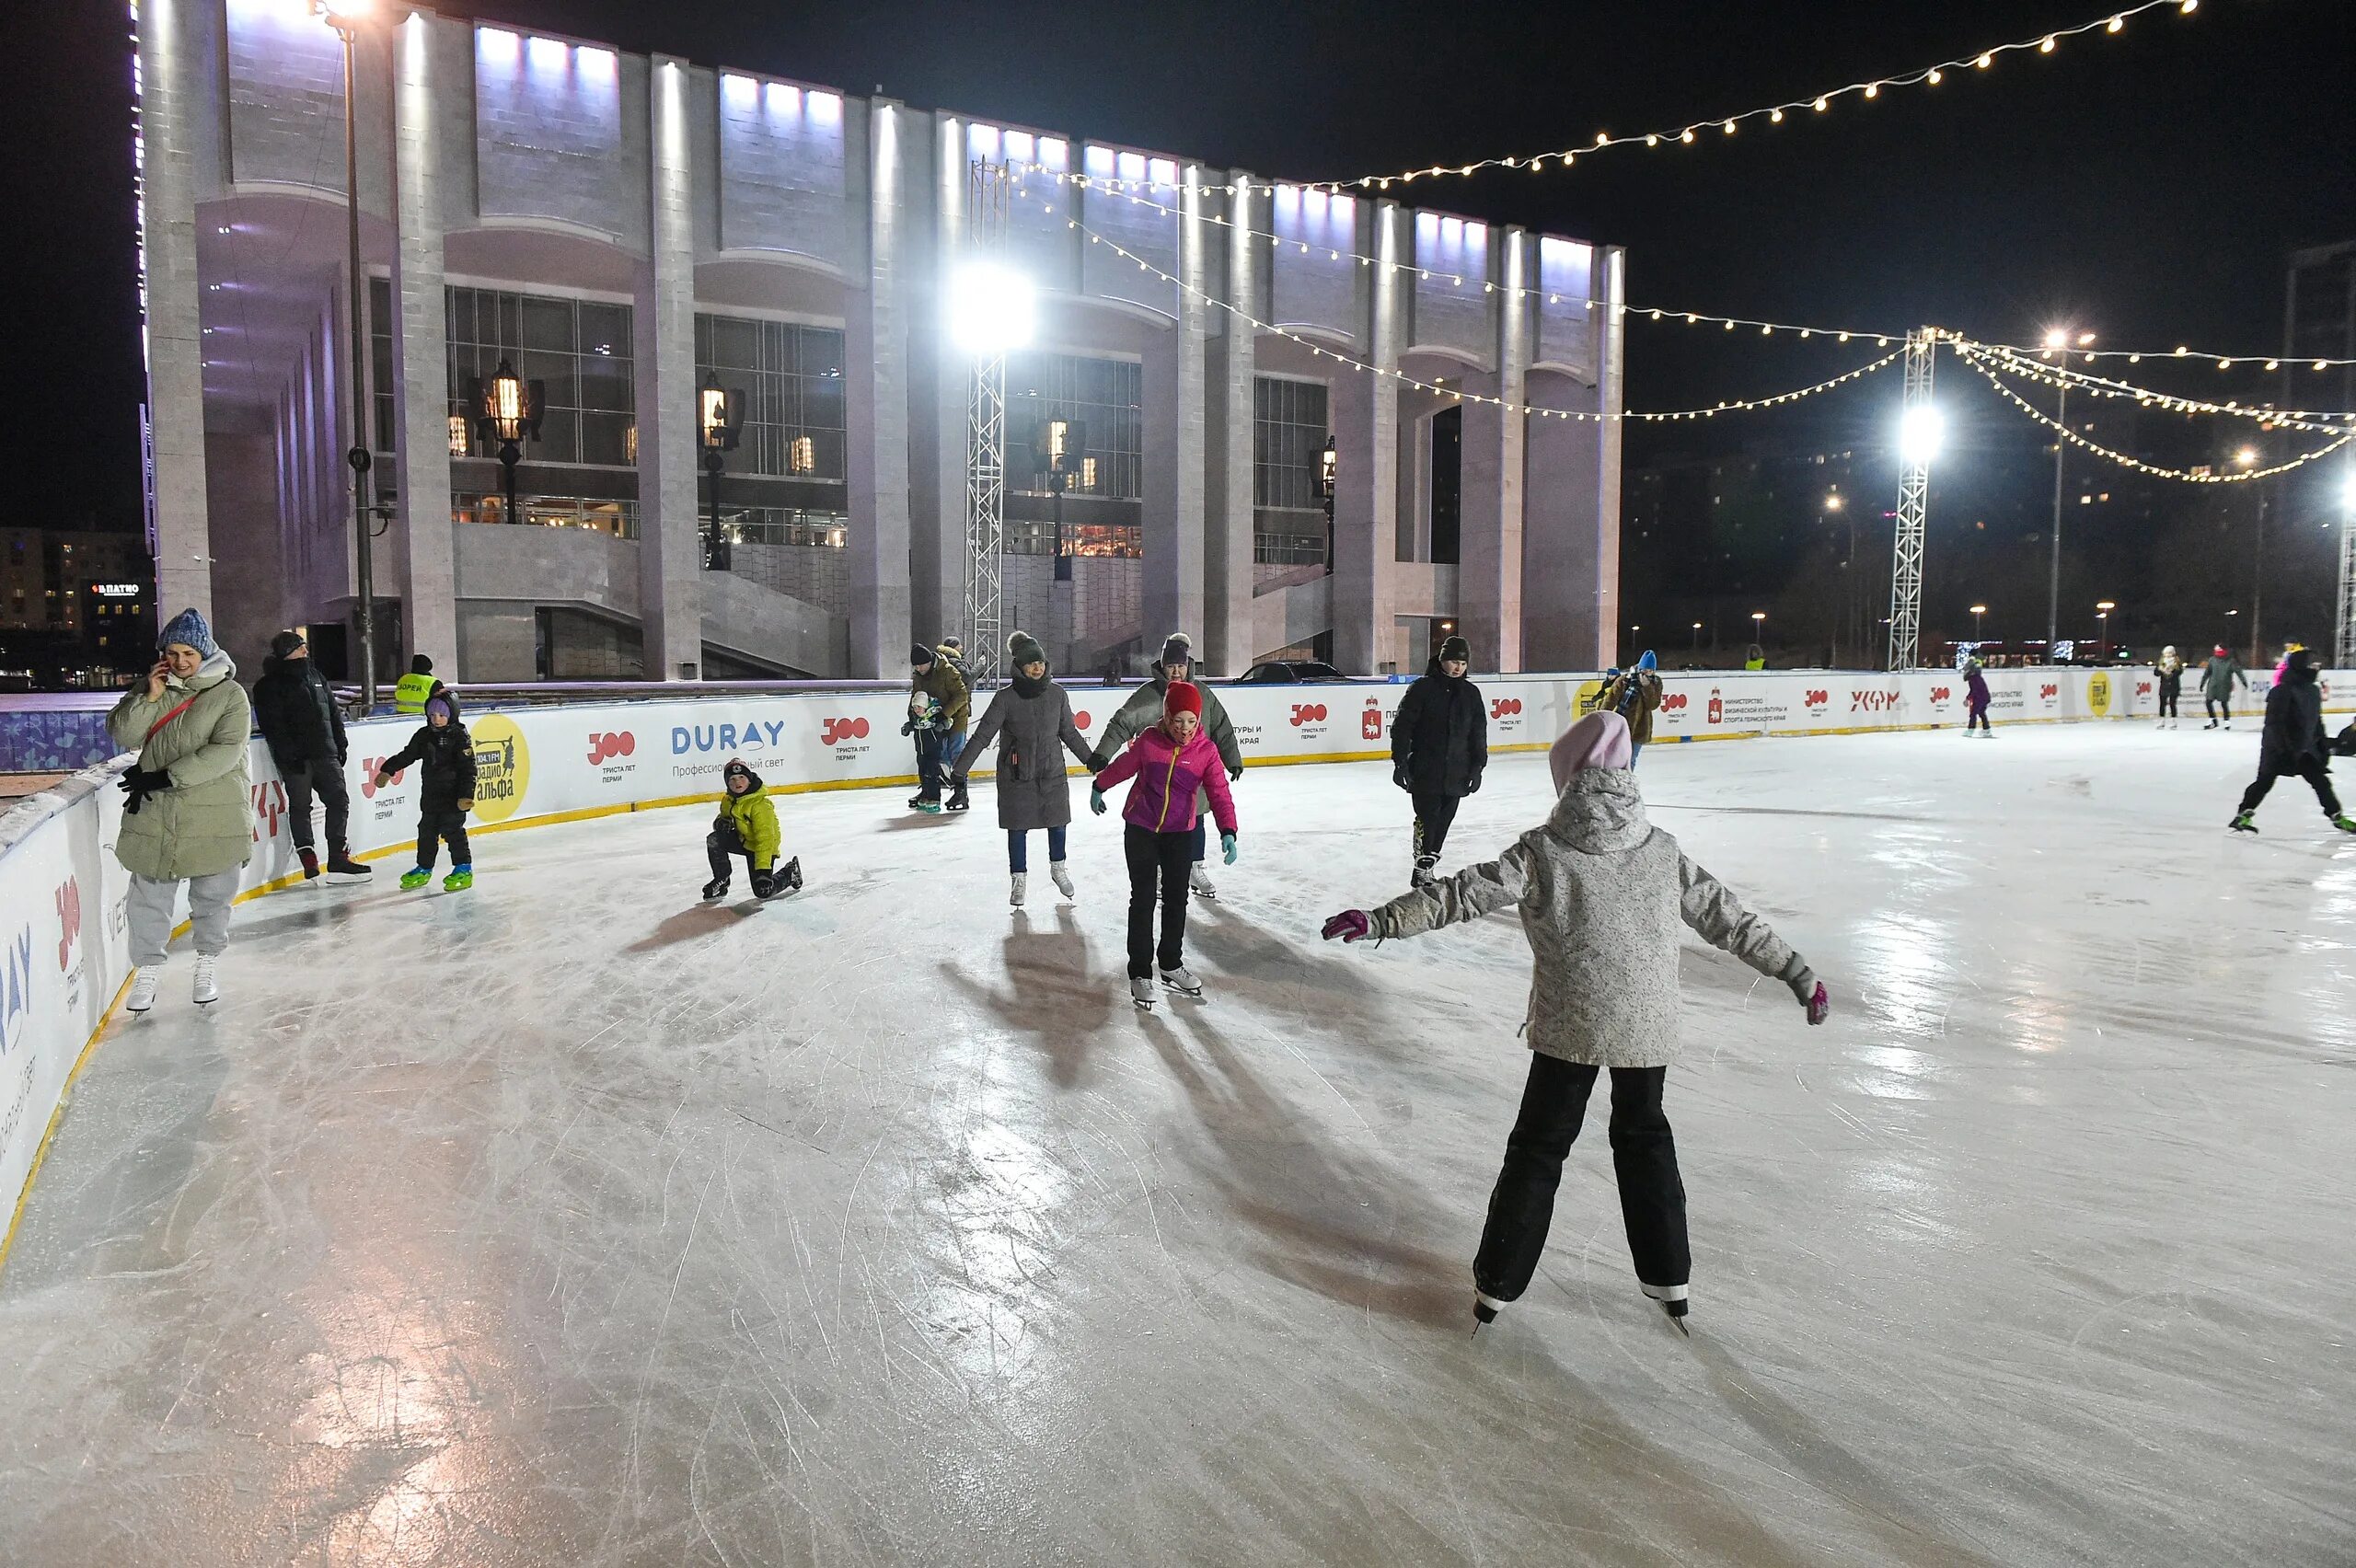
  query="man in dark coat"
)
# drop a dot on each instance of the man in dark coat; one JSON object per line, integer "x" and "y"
{"x": 300, "y": 723}
{"x": 2294, "y": 743}
{"x": 1440, "y": 746}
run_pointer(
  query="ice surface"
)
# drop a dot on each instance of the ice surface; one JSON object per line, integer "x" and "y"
{"x": 567, "y": 1222}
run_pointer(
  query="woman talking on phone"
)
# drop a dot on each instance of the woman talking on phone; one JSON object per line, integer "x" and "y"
{"x": 185, "y": 813}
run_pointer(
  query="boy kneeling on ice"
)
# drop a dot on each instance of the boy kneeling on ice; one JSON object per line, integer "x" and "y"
{"x": 1601, "y": 893}
{"x": 746, "y": 825}
{"x": 445, "y": 792}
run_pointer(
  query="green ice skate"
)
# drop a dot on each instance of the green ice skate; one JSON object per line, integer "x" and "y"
{"x": 415, "y": 878}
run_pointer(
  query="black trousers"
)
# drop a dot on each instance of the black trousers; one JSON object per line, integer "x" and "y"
{"x": 2311, "y": 769}
{"x": 932, "y": 757}
{"x": 1978, "y": 720}
{"x": 2171, "y": 686}
{"x": 437, "y": 828}
{"x": 325, "y": 779}
{"x": 1158, "y": 866}
{"x": 2217, "y": 705}
{"x": 1644, "y": 1157}
{"x": 1434, "y": 813}
{"x": 721, "y": 844}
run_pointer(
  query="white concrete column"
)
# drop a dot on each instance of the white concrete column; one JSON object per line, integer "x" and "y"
{"x": 670, "y": 558}
{"x": 876, "y": 377}
{"x": 1226, "y": 510}
{"x": 425, "y": 574}
{"x": 173, "y": 67}
{"x": 1571, "y": 545}
{"x": 1489, "y": 578}
{"x": 1173, "y": 513}
{"x": 937, "y": 521}
{"x": 1365, "y": 443}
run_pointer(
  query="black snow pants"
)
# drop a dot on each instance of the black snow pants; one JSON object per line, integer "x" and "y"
{"x": 323, "y": 778}
{"x": 720, "y": 845}
{"x": 2170, "y": 686}
{"x": 1158, "y": 867}
{"x": 2309, "y": 769}
{"x": 437, "y": 828}
{"x": 1434, "y": 813}
{"x": 1644, "y": 1157}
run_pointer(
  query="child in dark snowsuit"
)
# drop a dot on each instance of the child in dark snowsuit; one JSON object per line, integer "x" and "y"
{"x": 1601, "y": 893}
{"x": 2294, "y": 743}
{"x": 1975, "y": 701}
{"x": 746, "y": 825}
{"x": 445, "y": 794}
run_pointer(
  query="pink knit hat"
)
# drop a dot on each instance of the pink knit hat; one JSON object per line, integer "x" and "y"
{"x": 1599, "y": 739}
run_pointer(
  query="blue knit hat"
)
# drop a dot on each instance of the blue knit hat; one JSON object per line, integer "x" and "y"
{"x": 189, "y": 629}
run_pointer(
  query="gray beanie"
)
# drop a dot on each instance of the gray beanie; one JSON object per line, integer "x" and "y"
{"x": 1022, "y": 649}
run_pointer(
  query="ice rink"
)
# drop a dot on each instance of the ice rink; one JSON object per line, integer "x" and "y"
{"x": 567, "y": 1221}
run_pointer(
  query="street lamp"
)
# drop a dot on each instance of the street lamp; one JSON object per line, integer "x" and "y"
{"x": 1837, "y": 505}
{"x": 1058, "y": 453}
{"x": 1977, "y": 611}
{"x": 510, "y": 415}
{"x": 2246, "y": 459}
{"x": 2058, "y": 337}
{"x": 2102, "y": 618}
{"x": 719, "y": 422}
{"x": 1697, "y": 638}
{"x": 1328, "y": 471}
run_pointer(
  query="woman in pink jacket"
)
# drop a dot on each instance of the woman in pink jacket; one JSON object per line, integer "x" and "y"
{"x": 1170, "y": 761}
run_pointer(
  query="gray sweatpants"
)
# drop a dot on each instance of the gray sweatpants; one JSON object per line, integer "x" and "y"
{"x": 151, "y": 904}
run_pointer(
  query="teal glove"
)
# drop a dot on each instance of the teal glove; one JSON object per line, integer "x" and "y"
{"x": 1096, "y": 801}
{"x": 1227, "y": 846}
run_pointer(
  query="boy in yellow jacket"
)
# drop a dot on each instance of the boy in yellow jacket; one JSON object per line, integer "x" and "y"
{"x": 746, "y": 825}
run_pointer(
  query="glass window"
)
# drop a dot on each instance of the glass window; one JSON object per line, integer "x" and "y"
{"x": 1288, "y": 432}
{"x": 380, "y": 359}
{"x": 618, "y": 518}
{"x": 784, "y": 525}
{"x": 579, "y": 351}
{"x": 790, "y": 377}
{"x": 1104, "y": 394}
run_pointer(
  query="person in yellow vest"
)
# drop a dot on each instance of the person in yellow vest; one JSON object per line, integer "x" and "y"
{"x": 410, "y": 693}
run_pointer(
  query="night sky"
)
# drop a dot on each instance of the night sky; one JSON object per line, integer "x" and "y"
{"x": 2147, "y": 185}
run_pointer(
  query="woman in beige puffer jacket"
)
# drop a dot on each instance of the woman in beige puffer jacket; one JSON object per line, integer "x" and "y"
{"x": 189, "y": 817}
{"x": 1603, "y": 894}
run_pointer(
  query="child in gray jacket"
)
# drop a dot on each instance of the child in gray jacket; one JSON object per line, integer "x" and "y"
{"x": 1601, "y": 893}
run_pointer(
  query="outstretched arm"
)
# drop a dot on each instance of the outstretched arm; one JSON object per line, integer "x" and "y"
{"x": 1717, "y": 917}
{"x": 1467, "y": 896}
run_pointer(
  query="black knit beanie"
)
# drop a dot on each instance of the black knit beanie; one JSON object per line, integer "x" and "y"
{"x": 1022, "y": 649}
{"x": 1456, "y": 648}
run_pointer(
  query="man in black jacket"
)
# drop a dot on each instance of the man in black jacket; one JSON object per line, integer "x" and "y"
{"x": 299, "y": 721}
{"x": 1440, "y": 745}
{"x": 2294, "y": 743}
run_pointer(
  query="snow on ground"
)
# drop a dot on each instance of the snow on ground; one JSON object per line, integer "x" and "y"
{"x": 567, "y": 1221}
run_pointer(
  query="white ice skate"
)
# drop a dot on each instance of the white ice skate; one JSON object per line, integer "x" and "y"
{"x": 1182, "y": 980}
{"x": 1141, "y": 992}
{"x": 1199, "y": 880}
{"x": 208, "y": 988}
{"x": 1017, "y": 882}
{"x": 143, "y": 982}
{"x": 1056, "y": 870}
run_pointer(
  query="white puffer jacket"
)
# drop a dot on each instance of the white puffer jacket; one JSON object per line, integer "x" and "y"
{"x": 1602, "y": 892}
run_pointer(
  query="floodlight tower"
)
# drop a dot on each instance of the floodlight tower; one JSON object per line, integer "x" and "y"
{"x": 1920, "y": 428}
{"x": 991, "y": 311}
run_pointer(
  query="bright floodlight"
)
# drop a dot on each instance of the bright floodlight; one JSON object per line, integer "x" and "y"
{"x": 1920, "y": 433}
{"x": 2057, "y": 338}
{"x": 991, "y": 308}
{"x": 2246, "y": 458}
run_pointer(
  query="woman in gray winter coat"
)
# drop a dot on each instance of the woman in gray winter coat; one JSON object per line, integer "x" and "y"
{"x": 1031, "y": 720}
{"x": 1602, "y": 892}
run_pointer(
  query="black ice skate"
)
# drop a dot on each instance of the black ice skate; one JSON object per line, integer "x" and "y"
{"x": 1672, "y": 1301}
{"x": 715, "y": 890}
{"x": 789, "y": 879}
{"x": 1424, "y": 873}
{"x": 2242, "y": 824}
{"x": 957, "y": 802}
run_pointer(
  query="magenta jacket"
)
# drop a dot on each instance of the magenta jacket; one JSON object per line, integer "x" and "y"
{"x": 1162, "y": 799}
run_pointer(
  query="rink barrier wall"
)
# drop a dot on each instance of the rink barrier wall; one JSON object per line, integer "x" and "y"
{"x": 64, "y": 942}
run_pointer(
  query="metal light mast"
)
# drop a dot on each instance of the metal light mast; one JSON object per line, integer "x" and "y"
{"x": 1917, "y": 442}
{"x": 2343, "y": 641}
{"x": 988, "y": 197}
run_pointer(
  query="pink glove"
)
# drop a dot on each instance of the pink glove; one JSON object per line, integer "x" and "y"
{"x": 1350, "y": 925}
{"x": 1820, "y": 1007}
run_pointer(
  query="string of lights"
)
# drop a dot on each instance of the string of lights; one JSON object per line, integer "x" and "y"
{"x": 1321, "y": 351}
{"x": 1773, "y": 114}
{"x": 2189, "y": 476}
{"x": 2104, "y": 387}
{"x": 2192, "y": 355}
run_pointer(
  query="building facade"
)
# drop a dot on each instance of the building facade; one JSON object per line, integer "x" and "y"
{"x": 619, "y": 228}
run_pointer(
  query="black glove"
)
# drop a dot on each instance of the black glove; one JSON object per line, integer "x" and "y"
{"x": 1098, "y": 761}
{"x": 1473, "y": 784}
{"x": 764, "y": 884}
{"x": 138, "y": 783}
{"x": 1399, "y": 776}
{"x": 1234, "y": 771}
{"x": 910, "y": 728}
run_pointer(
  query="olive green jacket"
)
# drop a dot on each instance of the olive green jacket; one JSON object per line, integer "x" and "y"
{"x": 204, "y": 823}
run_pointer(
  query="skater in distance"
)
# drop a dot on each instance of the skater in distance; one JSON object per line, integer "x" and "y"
{"x": 1175, "y": 764}
{"x": 1032, "y": 720}
{"x": 2169, "y": 672}
{"x": 2217, "y": 679}
{"x": 1439, "y": 746}
{"x": 2294, "y": 743}
{"x": 186, "y": 816}
{"x": 1601, "y": 893}
{"x": 1975, "y": 700}
{"x": 1144, "y": 709}
{"x": 746, "y": 825}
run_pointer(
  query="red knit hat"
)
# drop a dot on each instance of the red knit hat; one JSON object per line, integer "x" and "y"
{"x": 1183, "y": 697}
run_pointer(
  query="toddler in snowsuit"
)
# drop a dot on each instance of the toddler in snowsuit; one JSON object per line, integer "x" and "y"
{"x": 445, "y": 792}
{"x": 746, "y": 825}
{"x": 1601, "y": 893}
{"x": 1975, "y": 700}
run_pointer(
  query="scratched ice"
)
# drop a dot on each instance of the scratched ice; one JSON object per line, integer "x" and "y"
{"x": 568, "y": 1222}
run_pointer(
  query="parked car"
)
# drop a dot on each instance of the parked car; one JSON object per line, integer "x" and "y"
{"x": 1282, "y": 671}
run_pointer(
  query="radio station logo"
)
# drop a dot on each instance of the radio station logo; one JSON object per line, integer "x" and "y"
{"x": 503, "y": 768}
{"x": 2098, "y": 695}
